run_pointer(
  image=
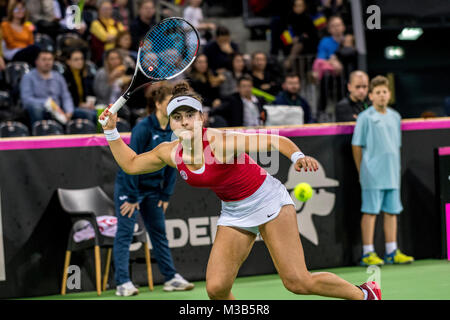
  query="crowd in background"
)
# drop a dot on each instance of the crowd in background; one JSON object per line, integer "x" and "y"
{"x": 56, "y": 68}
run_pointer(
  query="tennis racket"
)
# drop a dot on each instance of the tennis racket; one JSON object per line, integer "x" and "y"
{"x": 166, "y": 51}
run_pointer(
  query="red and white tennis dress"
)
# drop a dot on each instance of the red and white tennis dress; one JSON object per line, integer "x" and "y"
{"x": 250, "y": 196}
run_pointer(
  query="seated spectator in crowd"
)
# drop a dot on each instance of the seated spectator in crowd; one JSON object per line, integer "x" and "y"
{"x": 44, "y": 92}
{"x": 121, "y": 12}
{"x": 42, "y": 15}
{"x": 238, "y": 69}
{"x": 17, "y": 33}
{"x": 290, "y": 96}
{"x": 263, "y": 78}
{"x": 123, "y": 44}
{"x": 104, "y": 31}
{"x": 143, "y": 22}
{"x": 80, "y": 85}
{"x": 221, "y": 50}
{"x": 336, "y": 8}
{"x": 327, "y": 60}
{"x": 356, "y": 101}
{"x": 193, "y": 13}
{"x": 299, "y": 36}
{"x": 205, "y": 82}
{"x": 110, "y": 77}
{"x": 242, "y": 108}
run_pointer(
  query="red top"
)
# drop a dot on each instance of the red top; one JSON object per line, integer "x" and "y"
{"x": 230, "y": 181}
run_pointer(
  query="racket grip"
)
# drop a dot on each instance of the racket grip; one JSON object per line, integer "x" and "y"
{"x": 114, "y": 108}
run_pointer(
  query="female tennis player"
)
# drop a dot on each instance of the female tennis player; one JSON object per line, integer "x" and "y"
{"x": 252, "y": 200}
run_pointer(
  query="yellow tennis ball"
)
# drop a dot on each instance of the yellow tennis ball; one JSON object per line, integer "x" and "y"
{"x": 303, "y": 191}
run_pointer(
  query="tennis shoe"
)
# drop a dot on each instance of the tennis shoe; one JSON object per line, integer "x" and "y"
{"x": 126, "y": 289}
{"x": 373, "y": 290}
{"x": 178, "y": 283}
{"x": 397, "y": 257}
{"x": 371, "y": 259}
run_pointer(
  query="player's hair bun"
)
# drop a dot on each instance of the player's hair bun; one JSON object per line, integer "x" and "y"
{"x": 181, "y": 88}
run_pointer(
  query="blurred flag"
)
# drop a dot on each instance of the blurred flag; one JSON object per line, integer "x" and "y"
{"x": 319, "y": 20}
{"x": 179, "y": 2}
{"x": 287, "y": 36}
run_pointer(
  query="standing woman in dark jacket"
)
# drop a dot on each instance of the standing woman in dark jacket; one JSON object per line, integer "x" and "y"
{"x": 148, "y": 194}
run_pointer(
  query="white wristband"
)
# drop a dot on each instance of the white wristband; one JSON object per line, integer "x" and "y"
{"x": 297, "y": 155}
{"x": 112, "y": 135}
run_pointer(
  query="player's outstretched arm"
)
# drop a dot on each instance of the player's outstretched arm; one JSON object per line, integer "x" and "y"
{"x": 260, "y": 142}
{"x": 126, "y": 158}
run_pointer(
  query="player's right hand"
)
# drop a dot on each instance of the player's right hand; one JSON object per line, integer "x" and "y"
{"x": 112, "y": 119}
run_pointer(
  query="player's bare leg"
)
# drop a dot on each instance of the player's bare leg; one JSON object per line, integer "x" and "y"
{"x": 230, "y": 249}
{"x": 368, "y": 228}
{"x": 283, "y": 241}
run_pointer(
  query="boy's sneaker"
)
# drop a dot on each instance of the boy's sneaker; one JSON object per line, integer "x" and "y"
{"x": 177, "y": 283}
{"x": 126, "y": 289}
{"x": 373, "y": 290}
{"x": 371, "y": 259}
{"x": 397, "y": 257}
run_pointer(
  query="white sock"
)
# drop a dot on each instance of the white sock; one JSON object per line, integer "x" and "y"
{"x": 368, "y": 248}
{"x": 391, "y": 247}
{"x": 365, "y": 293}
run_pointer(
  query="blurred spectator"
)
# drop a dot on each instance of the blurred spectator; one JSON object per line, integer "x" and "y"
{"x": 212, "y": 121}
{"x": 110, "y": 78}
{"x": 221, "y": 50}
{"x": 44, "y": 92}
{"x": 80, "y": 85}
{"x": 2, "y": 61}
{"x": 357, "y": 101}
{"x": 336, "y": 8}
{"x": 89, "y": 13}
{"x": 103, "y": 32}
{"x": 205, "y": 82}
{"x": 193, "y": 13}
{"x": 238, "y": 69}
{"x": 348, "y": 55}
{"x": 42, "y": 15}
{"x": 121, "y": 12}
{"x": 123, "y": 44}
{"x": 327, "y": 60}
{"x": 17, "y": 33}
{"x": 143, "y": 22}
{"x": 242, "y": 108}
{"x": 299, "y": 35}
{"x": 290, "y": 96}
{"x": 263, "y": 77}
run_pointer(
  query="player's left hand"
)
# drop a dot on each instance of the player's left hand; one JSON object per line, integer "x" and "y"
{"x": 306, "y": 163}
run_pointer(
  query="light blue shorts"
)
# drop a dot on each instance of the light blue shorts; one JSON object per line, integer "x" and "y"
{"x": 375, "y": 200}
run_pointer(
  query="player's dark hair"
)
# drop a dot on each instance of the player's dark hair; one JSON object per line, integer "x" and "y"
{"x": 183, "y": 88}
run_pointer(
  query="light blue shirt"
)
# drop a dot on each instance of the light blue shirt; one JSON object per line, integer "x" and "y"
{"x": 380, "y": 137}
{"x": 34, "y": 90}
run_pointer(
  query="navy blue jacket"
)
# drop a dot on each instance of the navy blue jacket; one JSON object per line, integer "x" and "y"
{"x": 145, "y": 136}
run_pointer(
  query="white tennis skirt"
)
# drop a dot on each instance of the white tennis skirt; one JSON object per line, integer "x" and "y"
{"x": 261, "y": 207}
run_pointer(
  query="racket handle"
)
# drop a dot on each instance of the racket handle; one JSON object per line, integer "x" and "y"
{"x": 114, "y": 108}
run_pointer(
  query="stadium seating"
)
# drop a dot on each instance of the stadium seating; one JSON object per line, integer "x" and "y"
{"x": 9, "y": 129}
{"x": 46, "y": 128}
{"x": 14, "y": 71}
{"x": 123, "y": 125}
{"x": 88, "y": 204}
{"x": 80, "y": 126}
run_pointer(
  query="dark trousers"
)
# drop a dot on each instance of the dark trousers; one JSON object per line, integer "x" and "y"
{"x": 154, "y": 221}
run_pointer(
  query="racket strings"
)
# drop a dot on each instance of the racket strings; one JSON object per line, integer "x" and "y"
{"x": 168, "y": 49}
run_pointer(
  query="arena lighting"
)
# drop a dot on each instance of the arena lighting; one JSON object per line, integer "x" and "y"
{"x": 410, "y": 34}
{"x": 394, "y": 52}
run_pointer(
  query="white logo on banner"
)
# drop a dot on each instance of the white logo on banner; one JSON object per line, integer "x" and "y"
{"x": 2, "y": 251}
{"x": 321, "y": 203}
